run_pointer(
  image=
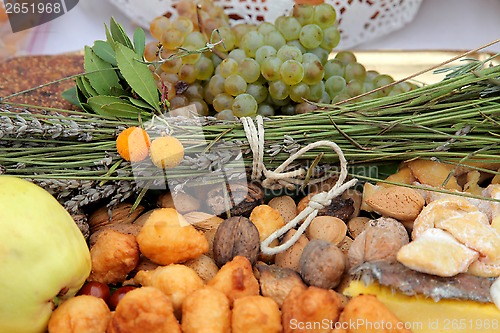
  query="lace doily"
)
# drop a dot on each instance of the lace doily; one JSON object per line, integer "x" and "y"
{"x": 359, "y": 20}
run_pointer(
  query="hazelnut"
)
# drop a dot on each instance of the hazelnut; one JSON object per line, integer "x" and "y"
{"x": 356, "y": 225}
{"x": 286, "y": 206}
{"x": 329, "y": 228}
{"x": 291, "y": 256}
{"x": 182, "y": 202}
{"x": 236, "y": 236}
{"x": 322, "y": 264}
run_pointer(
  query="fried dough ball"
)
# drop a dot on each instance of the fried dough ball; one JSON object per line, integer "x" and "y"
{"x": 311, "y": 305}
{"x": 175, "y": 280}
{"x": 144, "y": 310}
{"x": 114, "y": 255}
{"x": 80, "y": 314}
{"x": 167, "y": 238}
{"x": 236, "y": 279}
{"x": 368, "y": 312}
{"x": 206, "y": 311}
{"x": 256, "y": 314}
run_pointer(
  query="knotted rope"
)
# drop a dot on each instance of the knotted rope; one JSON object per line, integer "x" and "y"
{"x": 278, "y": 178}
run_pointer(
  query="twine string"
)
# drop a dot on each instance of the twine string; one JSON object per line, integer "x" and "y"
{"x": 278, "y": 178}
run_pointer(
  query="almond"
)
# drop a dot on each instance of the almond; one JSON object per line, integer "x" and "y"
{"x": 401, "y": 203}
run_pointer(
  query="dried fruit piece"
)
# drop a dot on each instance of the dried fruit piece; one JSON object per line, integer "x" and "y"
{"x": 434, "y": 174}
{"x": 133, "y": 144}
{"x": 437, "y": 252}
{"x": 401, "y": 203}
{"x": 166, "y": 152}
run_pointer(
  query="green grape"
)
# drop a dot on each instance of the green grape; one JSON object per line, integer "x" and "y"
{"x": 316, "y": 91}
{"x": 354, "y": 70}
{"x": 169, "y": 77}
{"x": 403, "y": 87}
{"x": 368, "y": 85}
{"x": 173, "y": 64}
{"x": 334, "y": 67}
{"x": 299, "y": 92}
{"x": 229, "y": 38}
{"x": 244, "y": 106}
{"x": 274, "y": 39}
{"x": 216, "y": 84}
{"x": 305, "y": 107}
{"x": 289, "y": 27}
{"x": 270, "y": 68}
{"x": 190, "y": 58}
{"x": 311, "y": 36}
{"x": 288, "y": 109}
{"x": 249, "y": 69}
{"x": 281, "y": 102}
{"x": 309, "y": 57}
{"x": 266, "y": 27}
{"x": 151, "y": 51}
{"x": 237, "y": 54}
{"x": 196, "y": 40}
{"x": 226, "y": 115}
{"x": 291, "y": 72}
{"x": 215, "y": 59}
{"x": 345, "y": 57}
{"x": 297, "y": 44}
{"x": 382, "y": 80}
{"x": 188, "y": 73}
{"x": 183, "y": 24}
{"x": 324, "y": 15}
{"x": 325, "y": 98}
{"x": 258, "y": 91}
{"x": 178, "y": 101}
{"x": 288, "y": 52}
{"x": 201, "y": 106}
{"x": 342, "y": 96}
{"x": 263, "y": 52}
{"x": 207, "y": 95}
{"x": 334, "y": 84}
{"x": 278, "y": 90}
{"x": 194, "y": 90}
{"x": 172, "y": 39}
{"x": 303, "y": 13}
{"x": 265, "y": 110}
{"x": 321, "y": 53}
{"x": 251, "y": 41}
{"x": 158, "y": 26}
{"x": 241, "y": 29}
{"x": 222, "y": 101}
{"x": 205, "y": 68}
{"x": 331, "y": 38}
{"x": 355, "y": 87}
{"x": 313, "y": 70}
{"x": 228, "y": 67}
{"x": 370, "y": 75}
{"x": 235, "y": 85}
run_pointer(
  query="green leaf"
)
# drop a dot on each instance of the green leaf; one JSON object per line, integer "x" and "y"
{"x": 85, "y": 87}
{"x": 119, "y": 35}
{"x": 100, "y": 73}
{"x": 139, "y": 103}
{"x": 112, "y": 106}
{"x": 109, "y": 37}
{"x": 71, "y": 95}
{"x": 105, "y": 51}
{"x": 137, "y": 75}
{"x": 139, "y": 42}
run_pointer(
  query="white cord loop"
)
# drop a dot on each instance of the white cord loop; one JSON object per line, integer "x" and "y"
{"x": 278, "y": 178}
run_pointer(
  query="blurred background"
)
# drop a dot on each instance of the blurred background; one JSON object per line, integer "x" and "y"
{"x": 431, "y": 25}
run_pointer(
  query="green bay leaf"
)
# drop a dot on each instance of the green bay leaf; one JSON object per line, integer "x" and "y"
{"x": 139, "y": 103}
{"x": 118, "y": 33}
{"x": 137, "y": 75}
{"x": 71, "y": 95}
{"x": 112, "y": 106}
{"x": 100, "y": 73}
{"x": 139, "y": 42}
{"x": 105, "y": 51}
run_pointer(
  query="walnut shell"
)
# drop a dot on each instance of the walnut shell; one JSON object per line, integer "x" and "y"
{"x": 236, "y": 236}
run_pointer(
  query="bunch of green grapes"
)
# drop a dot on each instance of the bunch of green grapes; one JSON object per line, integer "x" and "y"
{"x": 266, "y": 69}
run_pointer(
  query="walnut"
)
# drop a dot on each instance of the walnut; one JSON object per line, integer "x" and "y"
{"x": 236, "y": 236}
